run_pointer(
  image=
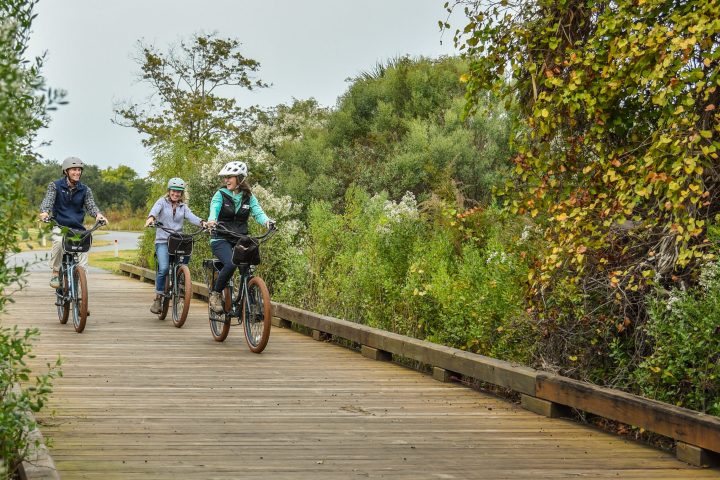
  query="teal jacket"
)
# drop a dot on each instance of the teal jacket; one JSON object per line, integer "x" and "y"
{"x": 255, "y": 209}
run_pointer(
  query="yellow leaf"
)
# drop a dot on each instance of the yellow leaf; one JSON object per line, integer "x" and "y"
{"x": 464, "y": 78}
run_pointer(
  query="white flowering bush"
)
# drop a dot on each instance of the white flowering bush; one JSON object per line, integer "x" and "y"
{"x": 683, "y": 367}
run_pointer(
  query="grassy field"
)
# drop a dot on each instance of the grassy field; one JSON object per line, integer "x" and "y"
{"x": 108, "y": 260}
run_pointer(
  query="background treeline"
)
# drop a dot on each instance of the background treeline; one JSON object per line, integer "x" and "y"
{"x": 114, "y": 188}
{"x": 555, "y": 210}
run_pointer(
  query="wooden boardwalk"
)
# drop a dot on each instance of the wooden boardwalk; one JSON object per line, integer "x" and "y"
{"x": 140, "y": 399}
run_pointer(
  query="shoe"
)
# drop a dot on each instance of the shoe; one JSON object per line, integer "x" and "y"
{"x": 216, "y": 302}
{"x": 156, "y": 306}
{"x": 55, "y": 282}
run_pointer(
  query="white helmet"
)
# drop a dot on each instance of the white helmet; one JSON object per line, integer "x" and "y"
{"x": 71, "y": 162}
{"x": 234, "y": 168}
{"x": 176, "y": 184}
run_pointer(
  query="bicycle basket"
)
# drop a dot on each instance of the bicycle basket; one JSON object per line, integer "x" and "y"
{"x": 77, "y": 245}
{"x": 180, "y": 244}
{"x": 246, "y": 251}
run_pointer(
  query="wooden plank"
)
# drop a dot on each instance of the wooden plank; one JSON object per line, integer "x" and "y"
{"x": 679, "y": 423}
{"x": 498, "y": 372}
{"x": 142, "y": 399}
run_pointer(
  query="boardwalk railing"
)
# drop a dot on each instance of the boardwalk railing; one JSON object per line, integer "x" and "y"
{"x": 697, "y": 435}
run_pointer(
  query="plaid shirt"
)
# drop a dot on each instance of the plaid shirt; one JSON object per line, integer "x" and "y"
{"x": 49, "y": 200}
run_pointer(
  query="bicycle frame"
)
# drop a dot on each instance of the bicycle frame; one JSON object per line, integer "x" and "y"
{"x": 250, "y": 303}
{"x": 180, "y": 300}
{"x": 73, "y": 288}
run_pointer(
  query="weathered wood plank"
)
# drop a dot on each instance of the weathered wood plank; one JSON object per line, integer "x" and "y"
{"x": 141, "y": 399}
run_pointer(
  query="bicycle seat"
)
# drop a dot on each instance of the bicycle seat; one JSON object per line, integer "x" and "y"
{"x": 213, "y": 263}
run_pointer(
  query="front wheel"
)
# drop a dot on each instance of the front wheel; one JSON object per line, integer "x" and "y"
{"x": 61, "y": 295}
{"x": 165, "y": 299}
{"x": 182, "y": 297}
{"x": 256, "y": 315}
{"x": 80, "y": 299}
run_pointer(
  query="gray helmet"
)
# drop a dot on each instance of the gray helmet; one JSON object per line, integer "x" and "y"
{"x": 176, "y": 184}
{"x": 71, "y": 162}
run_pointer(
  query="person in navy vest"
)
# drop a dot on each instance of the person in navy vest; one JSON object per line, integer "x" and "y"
{"x": 67, "y": 200}
{"x": 231, "y": 207}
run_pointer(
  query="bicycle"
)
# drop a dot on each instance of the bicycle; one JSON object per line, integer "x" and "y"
{"x": 178, "y": 284}
{"x": 251, "y": 305}
{"x": 73, "y": 290}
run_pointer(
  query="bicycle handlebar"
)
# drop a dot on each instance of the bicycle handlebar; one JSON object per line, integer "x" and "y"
{"x": 81, "y": 234}
{"x": 262, "y": 238}
{"x": 175, "y": 232}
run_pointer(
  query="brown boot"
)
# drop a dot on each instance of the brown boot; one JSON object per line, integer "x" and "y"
{"x": 156, "y": 306}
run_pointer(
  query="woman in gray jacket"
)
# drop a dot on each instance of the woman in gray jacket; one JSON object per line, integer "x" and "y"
{"x": 171, "y": 211}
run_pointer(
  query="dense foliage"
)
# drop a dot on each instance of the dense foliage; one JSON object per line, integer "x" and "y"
{"x": 602, "y": 157}
{"x": 114, "y": 188}
{"x": 617, "y": 163}
{"x": 22, "y": 112}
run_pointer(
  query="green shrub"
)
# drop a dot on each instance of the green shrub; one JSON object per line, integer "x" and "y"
{"x": 17, "y": 404}
{"x": 684, "y": 330}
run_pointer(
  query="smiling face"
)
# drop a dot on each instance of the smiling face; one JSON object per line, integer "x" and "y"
{"x": 175, "y": 195}
{"x": 231, "y": 182}
{"x": 74, "y": 174}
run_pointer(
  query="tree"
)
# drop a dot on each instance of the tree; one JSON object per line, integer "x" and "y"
{"x": 618, "y": 155}
{"x": 22, "y": 113}
{"x": 187, "y": 82}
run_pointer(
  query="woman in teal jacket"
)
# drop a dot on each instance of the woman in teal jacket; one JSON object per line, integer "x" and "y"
{"x": 231, "y": 207}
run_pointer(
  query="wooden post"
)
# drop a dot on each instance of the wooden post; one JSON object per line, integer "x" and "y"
{"x": 375, "y": 354}
{"x": 695, "y": 455}
{"x": 543, "y": 407}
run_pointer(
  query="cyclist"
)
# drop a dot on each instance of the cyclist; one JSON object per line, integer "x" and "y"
{"x": 231, "y": 207}
{"x": 67, "y": 200}
{"x": 170, "y": 210}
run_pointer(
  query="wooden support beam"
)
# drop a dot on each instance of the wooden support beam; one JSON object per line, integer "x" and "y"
{"x": 675, "y": 422}
{"x": 543, "y": 407}
{"x": 281, "y": 322}
{"x": 443, "y": 375}
{"x": 375, "y": 354}
{"x": 695, "y": 455}
{"x": 321, "y": 336}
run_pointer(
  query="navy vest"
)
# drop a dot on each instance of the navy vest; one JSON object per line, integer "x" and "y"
{"x": 232, "y": 220}
{"x": 69, "y": 207}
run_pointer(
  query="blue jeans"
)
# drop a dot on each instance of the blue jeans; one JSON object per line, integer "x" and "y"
{"x": 223, "y": 251}
{"x": 163, "y": 261}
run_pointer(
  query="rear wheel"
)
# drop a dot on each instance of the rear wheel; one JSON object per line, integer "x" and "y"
{"x": 182, "y": 297}
{"x": 61, "y": 294}
{"x": 220, "y": 322}
{"x": 80, "y": 300}
{"x": 256, "y": 315}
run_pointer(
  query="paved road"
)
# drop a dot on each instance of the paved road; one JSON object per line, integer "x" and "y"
{"x": 36, "y": 260}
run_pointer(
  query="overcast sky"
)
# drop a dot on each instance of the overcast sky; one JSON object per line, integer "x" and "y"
{"x": 306, "y": 48}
